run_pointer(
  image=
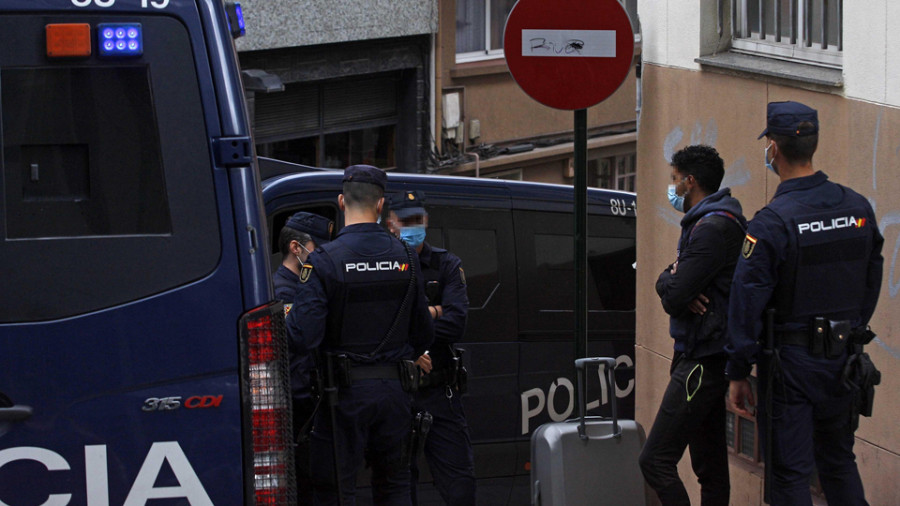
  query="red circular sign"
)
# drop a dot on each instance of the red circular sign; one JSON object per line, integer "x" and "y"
{"x": 568, "y": 54}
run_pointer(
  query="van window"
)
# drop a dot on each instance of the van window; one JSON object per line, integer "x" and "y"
{"x": 326, "y": 208}
{"x": 546, "y": 260}
{"x": 481, "y": 238}
{"x": 610, "y": 271}
{"x": 107, "y": 180}
{"x": 478, "y": 251}
{"x": 78, "y": 164}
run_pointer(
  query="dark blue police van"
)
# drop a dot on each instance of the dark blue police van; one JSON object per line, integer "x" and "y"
{"x": 516, "y": 245}
{"x": 142, "y": 357}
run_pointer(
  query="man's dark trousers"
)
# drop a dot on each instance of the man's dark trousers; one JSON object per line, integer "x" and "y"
{"x": 372, "y": 416}
{"x": 692, "y": 414}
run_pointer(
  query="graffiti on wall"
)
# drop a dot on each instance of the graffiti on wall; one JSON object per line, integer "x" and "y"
{"x": 736, "y": 173}
{"x": 889, "y": 225}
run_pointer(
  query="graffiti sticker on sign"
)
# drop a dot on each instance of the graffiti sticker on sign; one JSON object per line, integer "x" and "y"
{"x": 569, "y": 43}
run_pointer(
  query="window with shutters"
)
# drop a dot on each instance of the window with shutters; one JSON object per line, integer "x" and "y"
{"x": 331, "y": 124}
{"x": 807, "y": 31}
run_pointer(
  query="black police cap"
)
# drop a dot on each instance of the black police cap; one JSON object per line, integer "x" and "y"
{"x": 784, "y": 118}
{"x": 318, "y": 227}
{"x": 365, "y": 174}
{"x": 411, "y": 203}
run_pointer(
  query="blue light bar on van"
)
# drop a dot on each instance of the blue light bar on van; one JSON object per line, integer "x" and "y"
{"x": 120, "y": 40}
{"x": 235, "y": 17}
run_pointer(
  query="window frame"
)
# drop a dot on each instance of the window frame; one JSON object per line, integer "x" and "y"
{"x": 795, "y": 46}
{"x": 616, "y": 178}
{"x": 486, "y": 53}
{"x": 492, "y": 54}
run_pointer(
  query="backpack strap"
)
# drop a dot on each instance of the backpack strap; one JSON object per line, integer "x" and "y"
{"x": 717, "y": 213}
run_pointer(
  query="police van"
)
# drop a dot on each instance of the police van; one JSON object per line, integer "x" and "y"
{"x": 516, "y": 245}
{"x": 142, "y": 356}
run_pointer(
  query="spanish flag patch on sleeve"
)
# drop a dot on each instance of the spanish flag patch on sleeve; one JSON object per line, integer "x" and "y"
{"x": 749, "y": 244}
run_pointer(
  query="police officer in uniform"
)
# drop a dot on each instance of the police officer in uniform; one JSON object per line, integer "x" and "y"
{"x": 448, "y": 447}
{"x": 299, "y": 236}
{"x": 814, "y": 255}
{"x": 361, "y": 308}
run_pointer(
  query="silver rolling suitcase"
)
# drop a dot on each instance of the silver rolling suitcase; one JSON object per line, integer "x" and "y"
{"x": 588, "y": 460}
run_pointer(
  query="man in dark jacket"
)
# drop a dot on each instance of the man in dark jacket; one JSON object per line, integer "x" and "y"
{"x": 694, "y": 292}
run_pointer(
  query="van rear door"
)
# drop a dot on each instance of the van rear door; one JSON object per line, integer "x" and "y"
{"x": 122, "y": 284}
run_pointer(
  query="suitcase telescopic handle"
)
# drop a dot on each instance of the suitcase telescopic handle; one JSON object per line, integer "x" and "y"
{"x": 610, "y": 364}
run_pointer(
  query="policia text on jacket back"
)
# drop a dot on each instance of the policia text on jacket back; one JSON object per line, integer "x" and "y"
{"x": 811, "y": 263}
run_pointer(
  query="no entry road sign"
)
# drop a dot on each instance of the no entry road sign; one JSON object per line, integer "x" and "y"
{"x": 568, "y": 54}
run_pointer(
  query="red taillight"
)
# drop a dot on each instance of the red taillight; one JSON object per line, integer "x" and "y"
{"x": 270, "y": 401}
{"x": 266, "y": 429}
{"x": 262, "y": 342}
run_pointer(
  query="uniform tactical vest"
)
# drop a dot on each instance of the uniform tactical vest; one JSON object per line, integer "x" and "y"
{"x": 370, "y": 291}
{"x": 824, "y": 273}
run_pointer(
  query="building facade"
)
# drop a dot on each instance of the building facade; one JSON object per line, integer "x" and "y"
{"x": 417, "y": 86}
{"x": 709, "y": 68}
{"x": 355, "y": 78}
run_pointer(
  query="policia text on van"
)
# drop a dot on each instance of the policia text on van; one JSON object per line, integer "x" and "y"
{"x": 141, "y": 353}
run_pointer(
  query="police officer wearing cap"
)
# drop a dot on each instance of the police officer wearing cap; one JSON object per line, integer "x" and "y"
{"x": 301, "y": 234}
{"x": 298, "y": 238}
{"x": 813, "y": 255}
{"x": 361, "y": 308}
{"x": 448, "y": 447}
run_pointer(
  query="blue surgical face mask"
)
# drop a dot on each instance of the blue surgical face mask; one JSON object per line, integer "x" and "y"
{"x": 768, "y": 163}
{"x": 676, "y": 200}
{"x": 414, "y": 235}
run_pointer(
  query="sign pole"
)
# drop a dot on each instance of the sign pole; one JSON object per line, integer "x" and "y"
{"x": 571, "y": 55}
{"x": 580, "y": 189}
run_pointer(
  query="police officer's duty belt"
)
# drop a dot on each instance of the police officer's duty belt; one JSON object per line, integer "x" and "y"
{"x": 374, "y": 372}
{"x": 346, "y": 372}
{"x": 825, "y": 337}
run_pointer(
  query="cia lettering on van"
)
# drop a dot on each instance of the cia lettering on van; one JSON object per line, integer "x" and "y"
{"x": 172, "y": 403}
{"x": 546, "y": 400}
{"x": 96, "y": 475}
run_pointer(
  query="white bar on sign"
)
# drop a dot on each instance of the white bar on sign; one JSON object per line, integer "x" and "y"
{"x": 569, "y": 43}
